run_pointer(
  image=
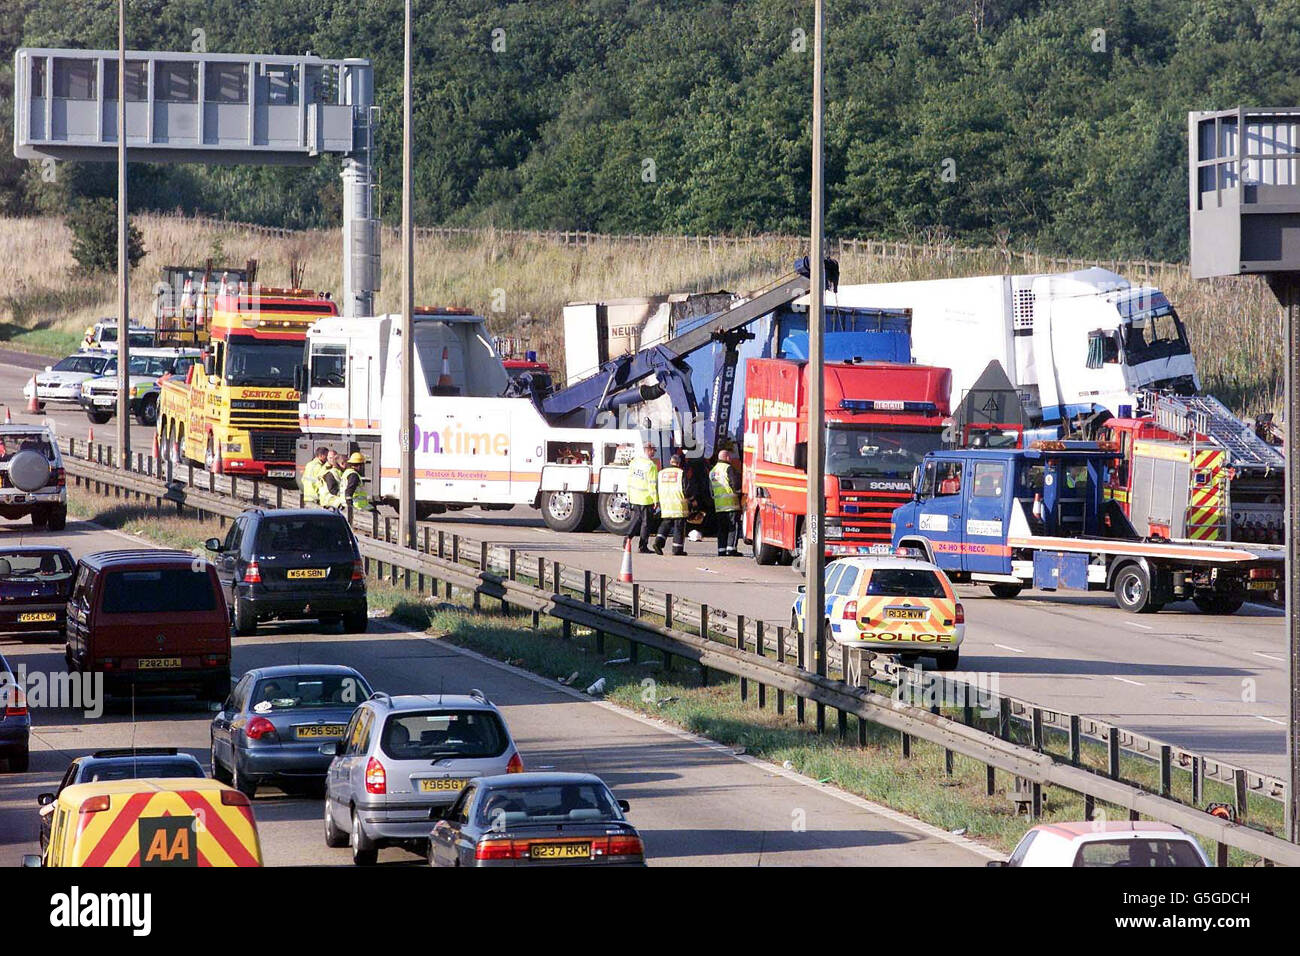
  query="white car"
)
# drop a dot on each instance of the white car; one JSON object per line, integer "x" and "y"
{"x": 1141, "y": 843}
{"x": 61, "y": 382}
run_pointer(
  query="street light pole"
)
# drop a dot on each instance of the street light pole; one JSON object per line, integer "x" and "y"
{"x": 406, "y": 438}
{"x": 814, "y": 637}
{"x": 123, "y": 304}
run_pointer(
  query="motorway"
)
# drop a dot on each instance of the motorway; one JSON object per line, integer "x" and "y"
{"x": 1213, "y": 684}
{"x": 695, "y": 803}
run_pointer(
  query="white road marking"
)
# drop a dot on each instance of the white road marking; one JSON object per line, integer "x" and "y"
{"x": 1006, "y": 647}
{"x": 706, "y": 570}
{"x": 1271, "y": 720}
{"x": 1280, "y": 660}
{"x": 1125, "y": 680}
{"x": 1145, "y": 627}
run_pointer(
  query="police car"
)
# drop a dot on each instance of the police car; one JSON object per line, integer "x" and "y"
{"x": 891, "y": 603}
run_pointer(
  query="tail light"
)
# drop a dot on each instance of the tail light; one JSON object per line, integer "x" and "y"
{"x": 15, "y": 701}
{"x": 233, "y": 798}
{"x": 490, "y": 849}
{"x": 95, "y": 804}
{"x": 376, "y": 778}
{"x": 625, "y": 845}
{"x": 258, "y": 728}
{"x": 516, "y": 764}
{"x": 1266, "y": 574}
{"x": 961, "y": 614}
{"x": 358, "y": 570}
{"x": 850, "y": 612}
{"x": 60, "y": 479}
{"x": 214, "y": 660}
{"x": 108, "y": 664}
{"x": 252, "y": 573}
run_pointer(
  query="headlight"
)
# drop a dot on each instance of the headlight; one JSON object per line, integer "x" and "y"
{"x": 834, "y": 531}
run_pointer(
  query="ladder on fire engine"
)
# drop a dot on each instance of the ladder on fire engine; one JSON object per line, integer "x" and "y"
{"x": 1189, "y": 415}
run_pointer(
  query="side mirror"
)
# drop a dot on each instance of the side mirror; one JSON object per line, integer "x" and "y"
{"x": 439, "y": 813}
{"x": 802, "y": 589}
{"x": 44, "y": 799}
{"x": 31, "y": 859}
{"x": 212, "y": 544}
{"x": 49, "y": 368}
{"x": 332, "y": 749}
{"x": 996, "y": 863}
{"x": 300, "y": 378}
{"x": 624, "y": 806}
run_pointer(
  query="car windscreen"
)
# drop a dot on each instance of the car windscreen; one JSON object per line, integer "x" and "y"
{"x": 12, "y": 444}
{"x": 547, "y": 804}
{"x": 35, "y": 565}
{"x": 307, "y": 692}
{"x": 905, "y": 582}
{"x": 89, "y": 364}
{"x": 312, "y": 533}
{"x": 1137, "y": 853}
{"x": 140, "y": 769}
{"x": 158, "y": 591}
{"x": 432, "y": 734}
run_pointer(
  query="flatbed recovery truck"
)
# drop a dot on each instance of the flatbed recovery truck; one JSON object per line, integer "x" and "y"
{"x": 1015, "y": 518}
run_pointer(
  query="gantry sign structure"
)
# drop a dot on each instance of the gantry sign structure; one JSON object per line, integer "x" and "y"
{"x": 216, "y": 108}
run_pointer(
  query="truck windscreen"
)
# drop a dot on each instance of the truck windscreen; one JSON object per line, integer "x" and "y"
{"x": 268, "y": 363}
{"x": 1155, "y": 334}
{"x": 863, "y": 451}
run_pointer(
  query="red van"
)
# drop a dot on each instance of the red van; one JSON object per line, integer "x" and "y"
{"x": 150, "y": 621}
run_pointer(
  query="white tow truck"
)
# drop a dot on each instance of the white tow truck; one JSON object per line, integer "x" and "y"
{"x": 476, "y": 444}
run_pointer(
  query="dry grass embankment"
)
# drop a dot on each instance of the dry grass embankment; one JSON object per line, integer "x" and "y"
{"x": 1235, "y": 325}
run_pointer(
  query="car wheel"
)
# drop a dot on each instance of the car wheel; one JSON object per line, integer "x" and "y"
{"x": 57, "y": 518}
{"x": 40, "y": 517}
{"x": 242, "y": 782}
{"x": 219, "y": 773}
{"x": 18, "y": 763}
{"x": 355, "y": 622}
{"x": 364, "y": 851}
{"x": 148, "y": 411}
{"x": 98, "y": 418}
{"x": 334, "y": 837}
{"x": 245, "y": 618}
{"x": 947, "y": 661}
{"x": 1005, "y": 591}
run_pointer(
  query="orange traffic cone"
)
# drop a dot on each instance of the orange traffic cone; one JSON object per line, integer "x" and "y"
{"x": 156, "y": 452}
{"x": 33, "y": 403}
{"x": 625, "y": 572}
{"x": 444, "y": 379}
{"x": 9, "y": 418}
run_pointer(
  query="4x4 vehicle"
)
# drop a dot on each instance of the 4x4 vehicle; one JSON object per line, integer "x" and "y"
{"x": 292, "y": 564}
{"x": 103, "y": 335}
{"x": 98, "y": 396}
{"x": 401, "y": 758}
{"x": 31, "y": 476}
{"x": 150, "y": 620}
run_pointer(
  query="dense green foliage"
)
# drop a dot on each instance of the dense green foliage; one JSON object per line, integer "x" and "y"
{"x": 93, "y": 222}
{"x": 987, "y": 120}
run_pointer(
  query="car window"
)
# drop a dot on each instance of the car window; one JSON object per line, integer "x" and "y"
{"x": 307, "y": 691}
{"x": 1137, "y": 853}
{"x": 833, "y": 574}
{"x": 69, "y": 776}
{"x": 906, "y": 582}
{"x": 350, "y": 733}
{"x": 547, "y": 803}
{"x": 308, "y": 533}
{"x": 13, "y": 443}
{"x": 81, "y": 590}
{"x": 847, "y": 582}
{"x": 142, "y": 768}
{"x": 158, "y": 591}
{"x": 363, "y": 731}
{"x": 239, "y": 696}
{"x": 948, "y": 477}
{"x": 990, "y": 479}
{"x": 88, "y": 364}
{"x": 428, "y": 734}
{"x": 459, "y": 813}
{"x": 35, "y": 566}
{"x": 1022, "y": 848}
{"x": 233, "y": 535}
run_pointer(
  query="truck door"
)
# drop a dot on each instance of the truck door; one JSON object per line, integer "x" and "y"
{"x": 983, "y": 527}
{"x": 939, "y": 519}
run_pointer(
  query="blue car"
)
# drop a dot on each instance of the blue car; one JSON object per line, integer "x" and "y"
{"x": 273, "y": 724}
{"x": 15, "y": 721}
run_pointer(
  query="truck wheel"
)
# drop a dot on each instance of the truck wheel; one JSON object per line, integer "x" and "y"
{"x": 615, "y": 513}
{"x": 1211, "y": 602}
{"x": 178, "y": 448}
{"x": 1006, "y": 591}
{"x": 58, "y": 518}
{"x": 1133, "y": 590}
{"x": 763, "y": 553}
{"x": 98, "y": 418}
{"x": 148, "y": 411}
{"x": 564, "y": 510}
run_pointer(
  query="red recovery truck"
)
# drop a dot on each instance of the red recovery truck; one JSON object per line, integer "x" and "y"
{"x": 881, "y": 420}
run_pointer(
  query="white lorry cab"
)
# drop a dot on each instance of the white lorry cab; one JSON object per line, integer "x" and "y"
{"x": 1071, "y": 343}
{"x": 474, "y": 446}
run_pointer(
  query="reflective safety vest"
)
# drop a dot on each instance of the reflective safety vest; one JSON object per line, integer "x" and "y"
{"x": 724, "y": 496}
{"x": 311, "y": 475}
{"x": 330, "y": 488}
{"x": 642, "y": 481}
{"x": 360, "y": 500}
{"x": 672, "y": 499}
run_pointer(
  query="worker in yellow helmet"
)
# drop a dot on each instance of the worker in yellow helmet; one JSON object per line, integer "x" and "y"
{"x": 353, "y": 482}
{"x": 311, "y": 475}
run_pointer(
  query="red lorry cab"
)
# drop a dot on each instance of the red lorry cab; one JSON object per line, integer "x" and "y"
{"x": 150, "y": 620}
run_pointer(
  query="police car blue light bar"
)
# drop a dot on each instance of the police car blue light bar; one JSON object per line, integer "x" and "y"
{"x": 887, "y": 405}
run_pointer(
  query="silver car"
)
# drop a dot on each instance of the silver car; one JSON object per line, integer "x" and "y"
{"x": 402, "y": 761}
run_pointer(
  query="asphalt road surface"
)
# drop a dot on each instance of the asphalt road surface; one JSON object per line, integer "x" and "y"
{"x": 1213, "y": 684}
{"x": 696, "y": 804}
